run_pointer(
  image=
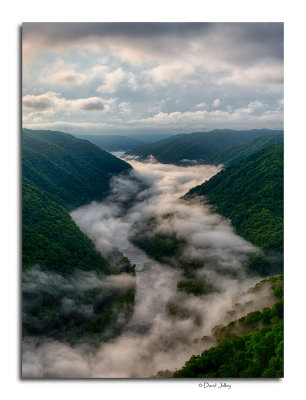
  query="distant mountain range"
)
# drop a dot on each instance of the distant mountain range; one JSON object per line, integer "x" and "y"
{"x": 204, "y": 147}
{"x": 120, "y": 142}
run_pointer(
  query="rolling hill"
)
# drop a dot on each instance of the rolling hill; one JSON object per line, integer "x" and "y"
{"x": 197, "y": 147}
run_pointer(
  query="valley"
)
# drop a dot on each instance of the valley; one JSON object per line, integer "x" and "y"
{"x": 167, "y": 274}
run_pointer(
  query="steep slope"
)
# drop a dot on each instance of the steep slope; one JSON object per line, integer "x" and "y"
{"x": 112, "y": 142}
{"x": 201, "y": 147}
{"x": 251, "y": 347}
{"x": 68, "y": 292}
{"x": 51, "y": 239}
{"x": 71, "y": 171}
{"x": 250, "y": 193}
{"x": 237, "y": 153}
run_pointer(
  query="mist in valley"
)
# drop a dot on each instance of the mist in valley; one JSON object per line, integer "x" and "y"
{"x": 154, "y": 338}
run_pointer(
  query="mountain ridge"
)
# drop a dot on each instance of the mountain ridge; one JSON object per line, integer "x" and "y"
{"x": 197, "y": 147}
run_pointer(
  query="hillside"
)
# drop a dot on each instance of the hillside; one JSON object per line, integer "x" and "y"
{"x": 112, "y": 142}
{"x": 71, "y": 171}
{"x": 199, "y": 147}
{"x": 236, "y": 153}
{"x": 51, "y": 238}
{"x": 60, "y": 299}
{"x": 250, "y": 193}
{"x": 250, "y": 347}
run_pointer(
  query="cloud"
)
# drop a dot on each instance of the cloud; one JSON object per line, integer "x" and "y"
{"x": 179, "y": 73}
{"x": 112, "y": 81}
{"x": 163, "y": 70}
{"x": 146, "y": 42}
{"x": 53, "y": 102}
{"x": 216, "y": 103}
{"x": 67, "y": 126}
{"x": 39, "y": 103}
{"x": 201, "y": 105}
{"x": 62, "y": 74}
{"x": 263, "y": 73}
{"x": 254, "y": 114}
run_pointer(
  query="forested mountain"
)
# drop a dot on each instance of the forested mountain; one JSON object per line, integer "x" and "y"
{"x": 200, "y": 147}
{"x": 250, "y": 193}
{"x": 250, "y": 347}
{"x": 61, "y": 172}
{"x": 71, "y": 171}
{"x": 236, "y": 153}
{"x": 112, "y": 142}
{"x": 51, "y": 238}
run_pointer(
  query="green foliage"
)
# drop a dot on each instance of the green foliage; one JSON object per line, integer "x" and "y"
{"x": 250, "y": 193}
{"x": 254, "y": 355}
{"x": 200, "y": 146}
{"x": 61, "y": 172}
{"x": 71, "y": 171}
{"x": 258, "y": 352}
{"x": 159, "y": 247}
{"x": 194, "y": 286}
{"x": 51, "y": 238}
{"x": 237, "y": 153}
{"x": 73, "y": 308}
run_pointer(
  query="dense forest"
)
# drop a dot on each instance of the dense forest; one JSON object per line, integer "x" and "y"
{"x": 201, "y": 147}
{"x": 250, "y": 193}
{"x": 51, "y": 238}
{"x": 61, "y": 172}
{"x": 249, "y": 347}
{"x": 72, "y": 293}
{"x": 71, "y": 171}
{"x": 237, "y": 153}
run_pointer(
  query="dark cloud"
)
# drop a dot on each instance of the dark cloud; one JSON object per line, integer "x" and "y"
{"x": 37, "y": 104}
{"x": 242, "y": 40}
{"x": 93, "y": 105}
{"x": 75, "y": 31}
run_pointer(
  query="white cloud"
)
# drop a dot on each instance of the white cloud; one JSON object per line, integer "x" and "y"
{"x": 67, "y": 126}
{"x": 111, "y": 81}
{"x": 62, "y": 74}
{"x": 216, "y": 103}
{"x": 201, "y": 105}
{"x": 179, "y": 72}
{"x": 253, "y": 114}
{"x": 261, "y": 73}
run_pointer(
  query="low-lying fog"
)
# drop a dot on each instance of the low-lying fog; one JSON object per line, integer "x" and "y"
{"x": 153, "y": 339}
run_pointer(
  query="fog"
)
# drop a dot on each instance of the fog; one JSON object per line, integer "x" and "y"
{"x": 156, "y": 339}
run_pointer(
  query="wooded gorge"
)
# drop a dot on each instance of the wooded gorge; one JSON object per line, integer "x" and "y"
{"x": 130, "y": 258}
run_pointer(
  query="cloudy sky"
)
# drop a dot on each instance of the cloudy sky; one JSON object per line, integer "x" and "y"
{"x": 152, "y": 77}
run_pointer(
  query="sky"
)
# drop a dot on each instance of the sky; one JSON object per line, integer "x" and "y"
{"x": 121, "y": 78}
